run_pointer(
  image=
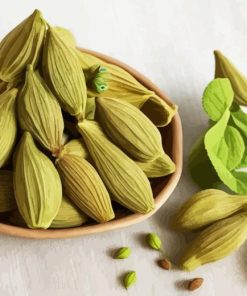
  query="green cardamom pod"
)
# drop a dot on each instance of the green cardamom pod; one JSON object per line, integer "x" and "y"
{"x": 129, "y": 128}
{"x": 132, "y": 91}
{"x": 225, "y": 69}
{"x": 123, "y": 253}
{"x": 66, "y": 36}
{"x": 83, "y": 185}
{"x": 7, "y": 198}
{"x": 37, "y": 186}
{"x": 216, "y": 241}
{"x": 40, "y": 113}
{"x": 68, "y": 215}
{"x": 8, "y": 124}
{"x": 159, "y": 167}
{"x": 154, "y": 241}
{"x": 129, "y": 279}
{"x": 75, "y": 147}
{"x": 63, "y": 73}
{"x": 90, "y": 108}
{"x": 21, "y": 47}
{"x": 124, "y": 179}
{"x": 206, "y": 207}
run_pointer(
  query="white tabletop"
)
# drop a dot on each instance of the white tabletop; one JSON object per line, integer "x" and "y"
{"x": 171, "y": 42}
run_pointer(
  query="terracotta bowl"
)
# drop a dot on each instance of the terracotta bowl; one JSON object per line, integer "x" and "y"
{"x": 162, "y": 187}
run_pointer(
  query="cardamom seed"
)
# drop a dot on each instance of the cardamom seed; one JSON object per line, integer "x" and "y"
{"x": 83, "y": 185}
{"x": 129, "y": 279}
{"x": 154, "y": 241}
{"x": 123, "y": 253}
{"x": 225, "y": 69}
{"x": 8, "y": 124}
{"x": 216, "y": 241}
{"x": 129, "y": 128}
{"x": 195, "y": 284}
{"x": 68, "y": 215}
{"x": 7, "y": 198}
{"x": 206, "y": 207}
{"x": 40, "y": 113}
{"x": 37, "y": 185}
{"x": 21, "y": 47}
{"x": 165, "y": 264}
{"x": 159, "y": 167}
{"x": 132, "y": 91}
{"x": 124, "y": 179}
{"x": 63, "y": 73}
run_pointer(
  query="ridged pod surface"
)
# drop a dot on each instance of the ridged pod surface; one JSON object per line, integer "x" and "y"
{"x": 82, "y": 184}
{"x": 159, "y": 167}
{"x": 216, "y": 241}
{"x": 8, "y": 124}
{"x": 21, "y": 47}
{"x": 40, "y": 113}
{"x": 63, "y": 73}
{"x": 37, "y": 185}
{"x": 75, "y": 147}
{"x": 123, "y": 177}
{"x": 129, "y": 128}
{"x": 68, "y": 215}
{"x": 122, "y": 85}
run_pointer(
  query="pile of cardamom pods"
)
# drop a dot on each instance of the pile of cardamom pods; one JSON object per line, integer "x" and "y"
{"x": 76, "y": 133}
{"x": 218, "y": 157}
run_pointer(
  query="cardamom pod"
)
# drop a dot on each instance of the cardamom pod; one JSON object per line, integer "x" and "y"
{"x": 40, "y": 113}
{"x": 7, "y": 198}
{"x": 83, "y": 185}
{"x": 63, "y": 73}
{"x": 75, "y": 147}
{"x": 37, "y": 186}
{"x": 225, "y": 69}
{"x": 216, "y": 241}
{"x": 123, "y": 253}
{"x": 21, "y": 47}
{"x": 68, "y": 215}
{"x": 129, "y": 128}
{"x": 8, "y": 124}
{"x": 66, "y": 36}
{"x": 206, "y": 207}
{"x": 124, "y": 179}
{"x": 129, "y": 279}
{"x": 90, "y": 108}
{"x": 159, "y": 167}
{"x": 154, "y": 241}
{"x": 124, "y": 86}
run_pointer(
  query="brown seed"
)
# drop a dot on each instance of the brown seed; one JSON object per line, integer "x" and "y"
{"x": 195, "y": 284}
{"x": 165, "y": 264}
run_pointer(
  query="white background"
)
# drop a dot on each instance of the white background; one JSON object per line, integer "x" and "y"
{"x": 171, "y": 42}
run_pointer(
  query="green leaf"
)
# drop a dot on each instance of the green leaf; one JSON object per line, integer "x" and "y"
{"x": 201, "y": 169}
{"x": 239, "y": 120}
{"x": 217, "y": 97}
{"x": 221, "y": 142}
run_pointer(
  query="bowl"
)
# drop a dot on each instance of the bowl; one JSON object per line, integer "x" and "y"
{"x": 162, "y": 187}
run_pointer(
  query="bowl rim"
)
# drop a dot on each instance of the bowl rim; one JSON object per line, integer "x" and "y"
{"x": 160, "y": 199}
